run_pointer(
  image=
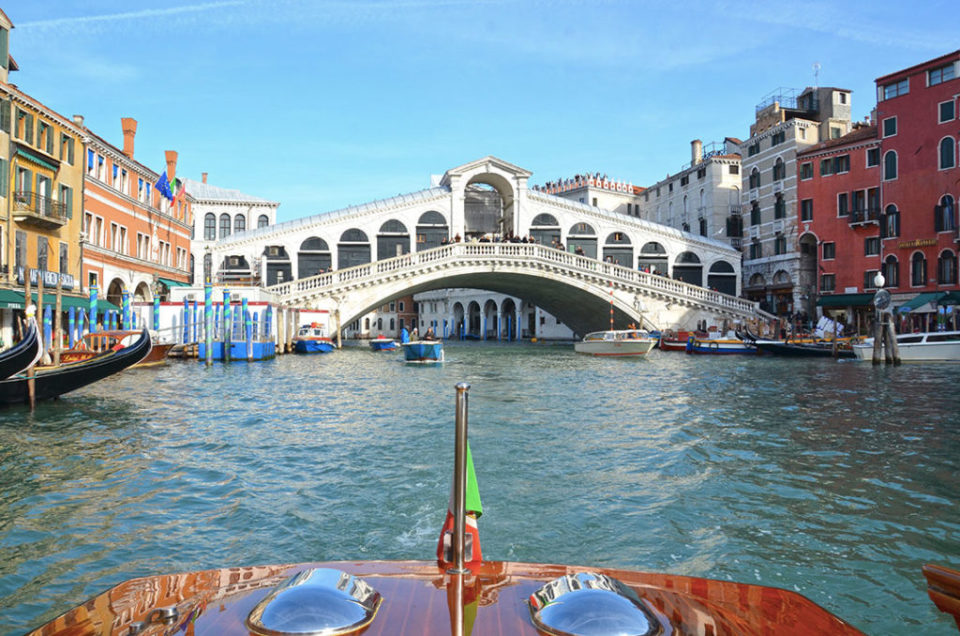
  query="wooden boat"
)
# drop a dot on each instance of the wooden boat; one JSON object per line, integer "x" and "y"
{"x": 803, "y": 349}
{"x": 943, "y": 588}
{"x": 93, "y": 344}
{"x": 618, "y": 343}
{"x": 383, "y": 344}
{"x": 674, "y": 340}
{"x": 459, "y": 593}
{"x": 927, "y": 346}
{"x": 423, "y": 351}
{"x": 54, "y": 382}
{"x": 719, "y": 346}
{"x": 24, "y": 354}
{"x": 313, "y": 338}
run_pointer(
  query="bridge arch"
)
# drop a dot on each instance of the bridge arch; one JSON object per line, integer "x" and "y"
{"x": 459, "y": 322}
{"x": 432, "y": 230}
{"x": 313, "y": 257}
{"x": 393, "y": 239}
{"x": 582, "y": 236}
{"x": 353, "y": 249}
{"x": 688, "y": 268}
{"x": 653, "y": 258}
{"x": 618, "y": 249}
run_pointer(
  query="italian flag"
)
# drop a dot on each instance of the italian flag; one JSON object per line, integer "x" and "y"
{"x": 474, "y": 509}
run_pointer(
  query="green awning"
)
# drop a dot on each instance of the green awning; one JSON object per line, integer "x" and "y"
{"x": 35, "y": 158}
{"x": 950, "y": 298}
{"x": 11, "y": 299}
{"x": 845, "y": 300}
{"x": 173, "y": 283}
{"x": 922, "y": 303}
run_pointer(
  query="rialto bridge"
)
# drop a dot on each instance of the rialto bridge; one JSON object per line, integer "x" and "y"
{"x": 353, "y": 260}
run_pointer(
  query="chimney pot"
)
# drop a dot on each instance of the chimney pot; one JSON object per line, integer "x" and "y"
{"x": 696, "y": 151}
{"x": 171, "y": 156}
{"x": 204, "y": 177}
{"x": 129, "y": 127}
{"x": 78, "y": 120}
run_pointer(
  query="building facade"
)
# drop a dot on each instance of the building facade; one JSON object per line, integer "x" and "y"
{"x": 135, "y": 240}
{"x": 597, "y": 190}
{"x": 786, "y": 122}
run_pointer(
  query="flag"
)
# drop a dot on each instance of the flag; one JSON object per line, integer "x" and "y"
{"x": 179, "y": 187}
{"x": 474, "y": 509}
{"x": 163, "y": 186}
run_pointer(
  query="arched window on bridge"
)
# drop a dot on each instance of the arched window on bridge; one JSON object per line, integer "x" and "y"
{"x": 618, "y": 249}
{"x": 723, "y": 278}
{"x": 584, "y": 237}
{"x": 313, "y": 257}
{"x": 353, "y": 249}
{"x": 263, "y": 221}
{"x": 652, "y": 258}
{"x": 392, "y": 240}
{"x": 432, "y": 230}
{"x": 279, "y": 268}
{"x": 688, "y": 268}
{"x": 224, "y": 225}
{"x": 545, "y": 229}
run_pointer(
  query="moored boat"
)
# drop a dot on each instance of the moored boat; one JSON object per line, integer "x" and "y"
{"x": 804, "y": 349}
{"x": 313, "y": 338}
{"x": 719, "y": 346}
{"x": 674, "y": 340}
{"x": 24, "y": 354}
{"x": 424, "y": 351}
{"x": 926, "y": 346}
{"x": 384, "y": 344}
{"x": 622, "y": 342}
{"x": 98, "y": 342}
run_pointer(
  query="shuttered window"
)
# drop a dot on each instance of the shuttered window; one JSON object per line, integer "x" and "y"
{"x": 5, "y": 118}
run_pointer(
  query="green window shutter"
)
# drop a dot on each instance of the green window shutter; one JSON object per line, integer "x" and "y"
{"x": 4, "y": 175}
{"x": 69, "y": 201}
{"x": 28, "y": 130}
{"x": 50, "y": 140}
{"x": 5, "y": 119}
{"x": 70, "y": 144}
{"x": 27, "y": 181}
{"x": 63, "y": 144}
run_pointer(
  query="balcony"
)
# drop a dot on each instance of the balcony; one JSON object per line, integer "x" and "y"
{"x": 863, "y": 216}
{"x": 30, "y": 207}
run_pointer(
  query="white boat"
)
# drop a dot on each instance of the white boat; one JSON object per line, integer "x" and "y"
{"x": 624, "y": 342}
{"x": 928, "y": 346}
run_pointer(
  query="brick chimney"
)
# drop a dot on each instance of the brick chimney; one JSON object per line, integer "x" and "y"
{"x": 204, "y": 177}
{"x": 171, "y": 165}
{"x": 129, "y": 126}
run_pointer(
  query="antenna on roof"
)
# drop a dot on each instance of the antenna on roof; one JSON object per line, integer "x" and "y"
{"x": 816, "y": 74}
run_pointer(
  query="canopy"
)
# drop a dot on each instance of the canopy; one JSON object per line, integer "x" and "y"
{"x": 173, "y": 283}
{"x": 924, "y": 303}
{"x": 845, "y": 300}
{"x": 12, "y": 299}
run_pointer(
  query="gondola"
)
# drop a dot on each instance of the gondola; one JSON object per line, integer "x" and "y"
{"x": 69, "y": 377}
{"x": 23, "y": 354}
{"x": 803, "y": 349}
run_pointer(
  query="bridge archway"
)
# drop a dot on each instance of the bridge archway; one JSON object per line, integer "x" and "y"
{"x": 508, "y": 312}
{"x": 432, "y": 230}
{"x": 115, "y": 292}
{"x": 544, "y": 229}
{"x": 279, "y": 267}
{"x": 487, "y": 196}
{"x": 583, "y": 236}
{"x": 653, "y": 257}
{"x": 353, "y": 249}
{"x": 723, "y": 278}
{"x": 618, "y": 249}
{"x": 489, "y": 326}
{"x": 474, "y": 319}
{"x": 393, "y": 239}
{"x": 688, "y": 268}
{"x": 459, "y": 325}
{"x": 313, "y": 257}
{"x": 143, "y": 293}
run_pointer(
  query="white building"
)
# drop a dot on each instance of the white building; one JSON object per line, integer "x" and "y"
{"x": 477, "y": 314}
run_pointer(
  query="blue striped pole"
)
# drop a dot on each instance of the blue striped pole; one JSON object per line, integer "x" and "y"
{"x": 92, "y": 324}
{"x": 268, "y": 323}
{"x": 72, "y": 324}
{"x": 509, "y": 328}
{"x": 156, "y": 313}
{"x": 186, "y": 320}
{"x": 47, "y": 327}
{"x": 248, "y": 324}
{"x": 133, "y": 320}
{"x": 208, "y": 322}
{"x": 125, "y": 304}
{"x": 81, "y": 320}
{"x": 227, "y": 325}
{"x": 195, "y": 336}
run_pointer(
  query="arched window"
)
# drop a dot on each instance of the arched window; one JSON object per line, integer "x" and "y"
{"x": 891, "y": 271}
{"x": 754, "y": 178}
{"x": 239, "y": 223}
{"x": 263, "y": 221}
{"x": 948, "y": 155}
{"x": 224, "y": 225}
{"x": 891, "y": 222}
{"x": 779, "y": 170}
{"x": 918, "y": 270}
{"x": 890, "y": 165}
{"x": 947, "y": 268}
{"x": 684, "y": 204}
{"x": 544, "y": 220}
{"x": 210, "y": 227}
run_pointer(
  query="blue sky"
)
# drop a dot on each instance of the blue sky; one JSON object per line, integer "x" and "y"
{"x": 321, "y": 104}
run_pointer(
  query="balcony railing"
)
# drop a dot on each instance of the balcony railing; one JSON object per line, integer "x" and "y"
{"x": 40, "y": 206}
{"x": 863, "y": 215}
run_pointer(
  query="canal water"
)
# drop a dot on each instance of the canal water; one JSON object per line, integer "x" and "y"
{"x": 834, "y": 479}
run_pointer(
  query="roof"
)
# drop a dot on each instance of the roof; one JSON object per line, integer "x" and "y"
{"x": 206, "y": 192}
{"x": 120, "y": 152}
{"x": 916, "y": 67}
{"x": 49, "y": 112}
{"x": 862, "y": 133}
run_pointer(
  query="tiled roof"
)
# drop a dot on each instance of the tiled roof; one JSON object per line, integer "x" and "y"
{"x": 862, "y": 133}
{"x": 206, "y": 192}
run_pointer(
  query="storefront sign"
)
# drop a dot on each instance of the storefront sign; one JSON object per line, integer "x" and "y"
{"x": 49, "y": 278}
{"x": 916, "y": 243}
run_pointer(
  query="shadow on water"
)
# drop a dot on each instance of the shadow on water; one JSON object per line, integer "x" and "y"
{"x": 832, "y": 479}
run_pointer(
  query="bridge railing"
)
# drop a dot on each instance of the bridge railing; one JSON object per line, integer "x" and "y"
{"x": 459, "y": 251}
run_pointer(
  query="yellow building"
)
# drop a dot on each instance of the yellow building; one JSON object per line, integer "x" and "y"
{"x": 41, "y": 194}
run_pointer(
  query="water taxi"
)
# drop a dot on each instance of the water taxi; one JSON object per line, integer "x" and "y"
{"x": 384, "y": 344}
{"x": 622, "y": 342}
{"x": 927, "y": 346}
{"x": 423, "y": 351}
{"x": 313, "y": 338}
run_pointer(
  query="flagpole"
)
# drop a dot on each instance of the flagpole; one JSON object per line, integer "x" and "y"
{"x": 460, "y": 481}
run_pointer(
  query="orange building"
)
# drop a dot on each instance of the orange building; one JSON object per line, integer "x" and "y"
{"x": 134, "y": 238}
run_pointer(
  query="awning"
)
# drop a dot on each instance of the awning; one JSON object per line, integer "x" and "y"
{"x": 845, "y": 300}
{"x": 950, "y": 298}
{"x": 35, "y": 158}
{"x": 924, "y": 303}
{"x": 173, "y": 283}
{"x": 11, "y": 299}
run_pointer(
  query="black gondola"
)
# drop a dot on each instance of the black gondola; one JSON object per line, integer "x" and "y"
{"x": 69, "y": 377}
{"x": 23, "y": 354}
{"x": 802, "y": 350}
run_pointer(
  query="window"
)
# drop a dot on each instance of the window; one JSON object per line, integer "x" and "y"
{"x": 67, "y": 149}
{"x": 263, "y": 221}
{"x": 754, "y": 178}
{"x": 20, "y": 249}
{"x": 940, "y": 75}
{"x": 393, "y": 306}
{"x": 806, "y": 170}
{"x": 780, "y": 245}
{"x": 843, "y": 204}
{"x": 123, "y": 240}
{"x": 701, "y": 173}
{"x": 734, "y": 169}
{"x": 891, "y": 271}
{"x": 93, "y": 279}
{"x": 115, "y": 237}
{"x": 948, "y": 157}
{"x": 753, "y": 149}
{"x": 871, "y": 246}
{"x": 755, "y": 214}
{"x": 42, "y": 246}
{"x": 828, "y": 282}
{"x": 64, "y": 263}
{"x": 896, "y": 89}
{"x": 868, "y": 277}
{"x": 947, "y": 268}
{"x": 829, "y": 251}
{"x": 842, "y": 98}
{"x": 224, "y": 225}
{"x": 595, "y": 199}
{"x": 826, "y": 167}
{"x": 947, "y": 112}
{"x": 703, "y": 227}
{"x": 842, "y": 164}
{"x": 779, "y": 208}
{"x": 944, "y": 217}
{"x": 873, "y": 157}
{"x": 756, "y": 250}
{"x": 806, "y": 210}
{"x": 400, "y": 306}
{"x": 918, "y": 270}
{"x": 670, "y": 186}
{"x": 98, "y": 237}
{"x": 684, "y": 180}
{"x": 210, "y": 227}
{"x": 779, "y": 170}
{"x": 777, "y": 138}
{"x": 889, "y": 126}
{"x": 890, "y": 165}
{"x": 835, "y": 132}
{"x": 239, "y": 223}
{"x": 891, "y": 222}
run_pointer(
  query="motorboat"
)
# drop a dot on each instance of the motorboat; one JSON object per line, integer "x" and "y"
{"x": 381, "y": 343}
{"x": 616, "y": 342}
{"x": 671, "y": 340}
{"x": 926, "y": 346}
{"x": 805, "y": 349}
{"x": 720, "y": 346}
{"x": 313, "y": 338}
{"x": 55, "y": 381}
{"x": 458, "y": 593}
{"x": 24, "y": 354}
{"x": 423, "y": 351}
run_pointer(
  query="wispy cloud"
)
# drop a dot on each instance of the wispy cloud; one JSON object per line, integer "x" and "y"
{"x": 129, "y": 15}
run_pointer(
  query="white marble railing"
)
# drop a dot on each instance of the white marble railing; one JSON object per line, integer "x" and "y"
{"x": 531, "y": 255}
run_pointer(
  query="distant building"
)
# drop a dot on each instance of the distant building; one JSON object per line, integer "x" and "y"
{"x": 597, "y": 190}
{"x": 786, "y": 122}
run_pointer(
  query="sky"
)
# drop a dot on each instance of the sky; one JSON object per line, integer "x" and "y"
{"x": 323, "y": 104}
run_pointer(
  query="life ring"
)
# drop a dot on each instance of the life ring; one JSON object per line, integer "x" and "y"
{"x": 713, "y": 346}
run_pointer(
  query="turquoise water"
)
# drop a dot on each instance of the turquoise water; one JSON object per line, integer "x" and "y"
{"x": 837, "y": 480}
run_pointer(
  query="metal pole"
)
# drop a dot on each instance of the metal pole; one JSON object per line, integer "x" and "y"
{"x": 460, "y": 481}
{"x": 208, "y": 323}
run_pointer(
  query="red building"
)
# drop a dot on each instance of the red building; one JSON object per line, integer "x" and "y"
{"x": 838, "y": 194}
{"x": 920, "y": 181}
